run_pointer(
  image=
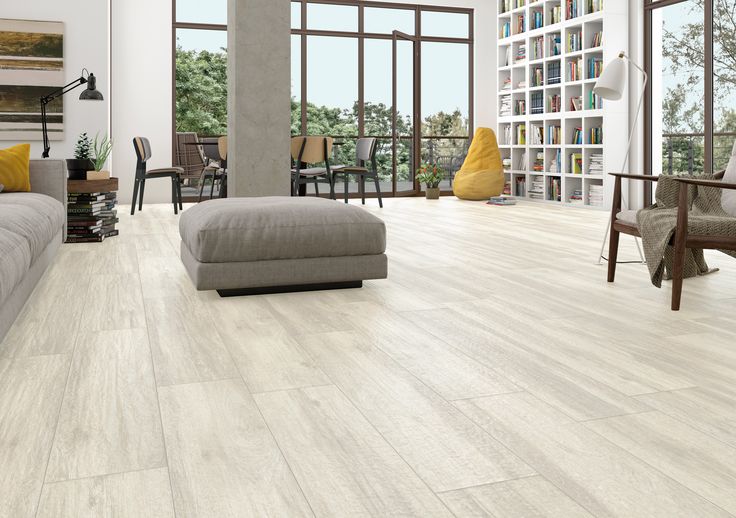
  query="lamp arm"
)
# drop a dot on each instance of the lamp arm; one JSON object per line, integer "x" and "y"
{"x": 63, "y": 90}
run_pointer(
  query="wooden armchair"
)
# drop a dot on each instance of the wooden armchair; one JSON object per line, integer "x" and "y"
{"x": 625, "y": 222}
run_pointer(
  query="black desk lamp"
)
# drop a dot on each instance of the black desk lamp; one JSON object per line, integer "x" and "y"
{"x": 89, "y": 94}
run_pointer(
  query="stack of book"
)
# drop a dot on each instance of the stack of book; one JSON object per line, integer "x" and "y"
{"x": 521, "y": 52}
{"x": 596, "y": 164}
{"x": 506, "y": 84}
{"x": 91, "y": 217}
{"x": 506, "y": 164}
{"x": 537, "y": 190}
{"x": 538, "y": 166}
{"x": 595, "y": 195}
{"x": 507, "y": 189}
{"x": 505, "y": 108}
{"x": 576, "y": 163}
{"x": 502, "y": 200}
{"x": 576, "y": 198}
{"x": 553, "y": 73}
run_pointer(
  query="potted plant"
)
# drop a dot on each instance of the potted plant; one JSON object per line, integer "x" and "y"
{"x": 78, "y": 166}
{"x": 101, "y": 149}
{"x": 431, "y": 175}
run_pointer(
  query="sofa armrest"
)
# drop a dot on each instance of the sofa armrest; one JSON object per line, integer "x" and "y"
{"x": 49, "y": 177}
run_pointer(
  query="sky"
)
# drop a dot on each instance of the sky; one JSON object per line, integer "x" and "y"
{"x": 333, "y": 74}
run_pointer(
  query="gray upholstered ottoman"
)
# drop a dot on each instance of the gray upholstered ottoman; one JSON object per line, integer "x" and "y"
{"x": 245, "y": 246}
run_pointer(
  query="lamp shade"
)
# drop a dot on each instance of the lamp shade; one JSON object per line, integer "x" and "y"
{"x": 611, "y": 83}
{"x": 91, "y": 93}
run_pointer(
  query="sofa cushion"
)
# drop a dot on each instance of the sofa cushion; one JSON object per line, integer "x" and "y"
{"x": 272, "y": 228}
{"x": 628, "y": 217}
{"x": 15, "y": 260}
{"x": 34, "y": 217}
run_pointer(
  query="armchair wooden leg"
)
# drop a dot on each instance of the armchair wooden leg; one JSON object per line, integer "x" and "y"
{"x": 613, "y": 254}
{"x": 378, "y": 191}
{"x": 678, "y": 264}
{"x": 178, "y": 193}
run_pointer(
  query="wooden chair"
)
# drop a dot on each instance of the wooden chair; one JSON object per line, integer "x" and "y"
{"x": 365, "y": 154}
{"x": 625, "y": 222}
{"x": 143, "y": 152}
{"x": 311, "y": 151}
{"x": 189, "y": 156}
{"x": 216, "y": 170}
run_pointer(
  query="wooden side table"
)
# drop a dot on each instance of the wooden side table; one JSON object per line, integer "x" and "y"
{"x": 91, "y": 210}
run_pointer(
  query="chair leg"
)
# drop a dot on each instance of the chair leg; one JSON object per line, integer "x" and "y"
{"x": 212, "y": 188}
{"x": 346, "y": 183}
{"x": 613, "y": 254}
{"x": 378, "y": 191}
{"x": 201, "y": 187}
{"x": 361, "y": 181}
{"x": 178, "y": 193}
{"x": 316, "y": 187}
{"x": 142, "y": 190}
{"x": 331, "y": 179}
{"x": 174, "y": 201}
{"x": 135, "y": 197}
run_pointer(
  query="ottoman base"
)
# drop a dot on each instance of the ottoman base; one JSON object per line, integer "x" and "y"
{"x": 279, "y": 276}
{"x": 294, "y": 288}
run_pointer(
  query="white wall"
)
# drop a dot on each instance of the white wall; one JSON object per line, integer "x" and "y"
{"x": 85, "y": 46}
{"x": 141, "y": 91}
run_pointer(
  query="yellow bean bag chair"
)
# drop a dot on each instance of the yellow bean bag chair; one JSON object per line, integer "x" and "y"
{"x": 482, "y": 173}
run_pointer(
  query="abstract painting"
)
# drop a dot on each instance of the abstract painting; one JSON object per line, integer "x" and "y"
{"x": 31, "y": 67}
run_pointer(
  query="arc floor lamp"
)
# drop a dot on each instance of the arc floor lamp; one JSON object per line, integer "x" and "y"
{"x": 611, "y": 86}
{"x": 89, "y": 94}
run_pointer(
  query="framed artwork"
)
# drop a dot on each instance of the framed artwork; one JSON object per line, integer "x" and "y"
{"x": 31, "y": 66}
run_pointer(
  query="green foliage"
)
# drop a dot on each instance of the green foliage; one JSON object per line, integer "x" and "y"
{"x": 83, "y": 148}
{"x": 102, "y": 148}
{"x": 201, "y": 91}
{"x": 430, "y": 175}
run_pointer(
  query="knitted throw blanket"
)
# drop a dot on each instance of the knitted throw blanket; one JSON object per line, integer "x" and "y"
{"x": 657, "y": 225}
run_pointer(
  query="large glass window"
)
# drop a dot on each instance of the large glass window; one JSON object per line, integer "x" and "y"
{"x": 692, "y": 110}
{"x": 197, "y": 11}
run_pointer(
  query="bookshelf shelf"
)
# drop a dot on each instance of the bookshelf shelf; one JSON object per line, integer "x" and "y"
{"x": 551, "y": 57}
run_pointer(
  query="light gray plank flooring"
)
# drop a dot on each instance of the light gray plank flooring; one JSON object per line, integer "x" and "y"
{"x": 495, "y": 374}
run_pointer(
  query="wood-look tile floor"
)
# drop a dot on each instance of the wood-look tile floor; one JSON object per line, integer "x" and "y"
{"x": 495, "y": 373}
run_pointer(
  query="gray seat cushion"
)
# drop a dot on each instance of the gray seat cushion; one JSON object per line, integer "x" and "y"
{"x": 15, "y": 261}
{"x": 273, "y": 228}
{"x": 628, "y": 217}
{"x": 34, "y": 217}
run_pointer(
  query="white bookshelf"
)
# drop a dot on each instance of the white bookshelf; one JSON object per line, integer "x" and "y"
{"x": 534, "y": 162}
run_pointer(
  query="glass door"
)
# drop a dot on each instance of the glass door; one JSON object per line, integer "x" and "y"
{"x": 404, "y": 135}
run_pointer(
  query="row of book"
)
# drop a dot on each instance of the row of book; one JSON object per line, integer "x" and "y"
{"x": 555, "y": 14}
{"x": 595, "y": 68}
{"x": 572, "y": 9}
{"x": 595, "y": 101}
{"x": 555, "y": 44}
{"x": 597, "y": 39}
{"x": 595, "y": 5}
{"x": 510, "y": 5}
{"x": 577, "y": 137}
{"x": 520, "y": 107}
{"x": 553, "y": 73}
{"x": 554, "y": 189}
{"x": 537, "y": 20}
{"x": 537, "y": 103}
{"x": 537, "y": 48}
{"x": 554, "y": 135}
{"x": 575, "y": 70}
{"x": 538, "y": 76}
{"x": 576, "y": 163}
{"x": 536, "y": 135}
{"x": 554, "y": 103}
{"x": 91, "y": 217}
{"x": 505, "y": 30}
{"x": 520, "y": 24}
{"x": 596, "y": 135}
{"x": 574, "y": 41}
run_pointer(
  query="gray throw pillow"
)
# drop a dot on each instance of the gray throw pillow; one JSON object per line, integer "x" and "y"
{"x": 728, "y": 199}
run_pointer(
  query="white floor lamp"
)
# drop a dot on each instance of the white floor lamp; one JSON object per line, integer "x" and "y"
{"x": 611, "y": 86}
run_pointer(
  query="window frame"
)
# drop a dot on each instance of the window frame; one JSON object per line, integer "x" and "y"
{"x": 708, "y": 71}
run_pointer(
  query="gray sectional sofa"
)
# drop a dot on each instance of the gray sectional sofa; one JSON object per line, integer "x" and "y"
{"x": 32, "y": 227}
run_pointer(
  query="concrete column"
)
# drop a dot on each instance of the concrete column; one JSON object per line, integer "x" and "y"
{"x": 259, "y": 95}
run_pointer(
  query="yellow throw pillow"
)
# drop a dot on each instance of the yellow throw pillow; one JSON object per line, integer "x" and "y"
{"x": 15, "y": 172}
